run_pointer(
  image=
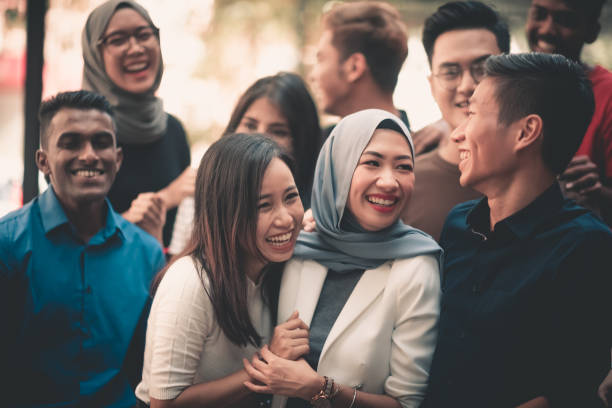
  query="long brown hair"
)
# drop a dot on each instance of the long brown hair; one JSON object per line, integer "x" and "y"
{"x": 227, "y": 192}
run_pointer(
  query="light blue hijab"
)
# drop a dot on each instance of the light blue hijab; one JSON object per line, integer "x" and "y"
{"x": 339, "y": 242}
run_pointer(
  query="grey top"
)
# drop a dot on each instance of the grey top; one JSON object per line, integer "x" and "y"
{"x": 336, "y": 290}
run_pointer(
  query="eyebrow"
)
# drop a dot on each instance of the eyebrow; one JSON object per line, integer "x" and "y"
{"x": 77, "y": 134}
{"x": 380, "y": 156}
{"x": 292, "y": 187}
{"x": 456, "y": 64}
{"x": 125, "y": 31}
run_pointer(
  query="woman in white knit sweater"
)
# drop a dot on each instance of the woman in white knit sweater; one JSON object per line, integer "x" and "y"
{"x": 214, "y": 305}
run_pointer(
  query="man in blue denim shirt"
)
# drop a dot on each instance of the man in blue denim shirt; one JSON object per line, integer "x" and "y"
{"x": 526, "y": 286}
{"x": 74, "y": 275}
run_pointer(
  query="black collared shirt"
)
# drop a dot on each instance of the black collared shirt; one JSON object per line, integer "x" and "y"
{"x": 525, "y": 308}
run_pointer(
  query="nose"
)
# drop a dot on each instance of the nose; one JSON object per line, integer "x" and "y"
{"x": 386, "y": 180}
{"x": 548, "y": 26}
{"x": 467, "y": 84}
{"x": 88, "y": 153}
{"x": 458, "y": 135}
{"x": 283, "y": 218}
{"x": 133, "y": 45}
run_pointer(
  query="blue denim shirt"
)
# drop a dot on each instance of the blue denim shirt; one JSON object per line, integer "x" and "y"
{"x": 525, "y": 308}
{"x": 73, "y": 314}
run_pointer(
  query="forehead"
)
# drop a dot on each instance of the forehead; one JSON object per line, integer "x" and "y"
{"x": 262, "y": 109}
{"x": 483, "y": 98}
{"x": 463, "y": 46}
{"x": 80, "y": 121}
{"x": 552, "y": 5}
{"x": 125, "y": 18}
{"x": 276, "y": 177}
{"x": 325, "y": 41}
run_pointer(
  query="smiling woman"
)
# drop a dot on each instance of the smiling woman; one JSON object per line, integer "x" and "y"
{"x": 123, "y": 62}
{"x": 214, "y": 304}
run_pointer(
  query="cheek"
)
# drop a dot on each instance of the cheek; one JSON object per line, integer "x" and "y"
{"x": 111, "y": 66}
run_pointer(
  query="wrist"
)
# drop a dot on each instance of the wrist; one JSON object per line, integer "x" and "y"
{"x": 313, "y": 387}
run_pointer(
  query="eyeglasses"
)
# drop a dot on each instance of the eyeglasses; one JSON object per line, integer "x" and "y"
{"x": 450, "y": 76}
{"x": 119, "y": 41}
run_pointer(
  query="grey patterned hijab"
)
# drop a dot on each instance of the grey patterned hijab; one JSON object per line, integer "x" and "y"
{"x": 140, "y": 117}
{"x": 339, "y": 242}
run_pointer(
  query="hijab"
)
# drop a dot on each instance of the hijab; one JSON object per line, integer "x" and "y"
{"x": 339, "y": 242}
{"x": 140, "y": 118}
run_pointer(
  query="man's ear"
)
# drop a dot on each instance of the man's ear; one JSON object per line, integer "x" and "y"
{"x": 119, "y": 157}
{"x": 529, "y": 131}
{"x": 593, "y": 32}
{"x": 355, "y": 66}
{"x": 42, "y": 162}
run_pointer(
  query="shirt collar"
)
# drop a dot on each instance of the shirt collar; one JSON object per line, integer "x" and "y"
{"x": 53, "y": 216}
{"x": 523, "y": 222}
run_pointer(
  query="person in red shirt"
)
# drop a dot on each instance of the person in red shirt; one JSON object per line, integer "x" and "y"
{"x": 564, "y": 27}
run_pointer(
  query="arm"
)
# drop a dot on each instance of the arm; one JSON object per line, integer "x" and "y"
{"x": 182, "y": 186}
{"x": 297, "y": 379}
{"x": 605, "y": 390}
{"x": 539, "y": 402}
{"x": 148, "y": 212}
{"x": 181, "y": 319}
{"x": 429, "y": 137}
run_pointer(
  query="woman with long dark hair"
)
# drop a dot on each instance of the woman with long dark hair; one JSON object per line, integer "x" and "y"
{"x": 366, "y": 284}
{"x": 281, "y": 107}
{"x": 213, "y": 305}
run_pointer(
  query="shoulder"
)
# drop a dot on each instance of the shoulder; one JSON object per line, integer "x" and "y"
{"x": 9, "y": 224}
{"x": 174, "y": 124}
{"x": 422, "y": 270}
{"x": 457, "y": 216}
{"x": 137, "y": 237}
{"x": 182, "y": 281}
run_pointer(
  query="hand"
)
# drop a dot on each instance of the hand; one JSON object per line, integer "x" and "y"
{"x": 290, "y": 339}
{"x": 308, "y": 222}
{"x": 182, "y": 186}
{"x": 430, "y": 136}
{"x": 148, "y": 212}
{"x": 581, "y": 176}
{"x": 282, "y": 377}
{"x": 605, "y": 390}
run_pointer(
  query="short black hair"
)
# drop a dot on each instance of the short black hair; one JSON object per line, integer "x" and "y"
{"x": 552, "y": 87}
{"x": 72, "y": 99}
{"x": 459, "y": 15}
{"x": 590, "y": 8}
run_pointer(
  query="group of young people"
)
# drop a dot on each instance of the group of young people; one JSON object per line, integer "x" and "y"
{"x": 390, "y": 297}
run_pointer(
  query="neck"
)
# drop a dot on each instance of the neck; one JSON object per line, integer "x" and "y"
{"x": 364, "y": 96}
{"x": 509, "y": 196}
{"x": 254, "y": 270}
{"x": 87, "y": 218}
{"x": 448, "y": 150}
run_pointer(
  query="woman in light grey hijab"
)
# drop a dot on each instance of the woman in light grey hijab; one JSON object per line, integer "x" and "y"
{"x": 123, "y": 62}
{"x": 366, "y": 284}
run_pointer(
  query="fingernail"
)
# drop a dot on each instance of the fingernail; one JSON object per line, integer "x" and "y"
{"x": 569, "y": 185}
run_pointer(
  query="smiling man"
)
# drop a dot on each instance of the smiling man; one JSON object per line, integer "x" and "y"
{"x": 457, "y": 38}
{"x": 565, "y": 27}
{"x": 526, "y": 276}
{"x": 74, "y": 275}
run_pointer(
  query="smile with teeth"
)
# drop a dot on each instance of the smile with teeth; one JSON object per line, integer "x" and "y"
{"x": 136, "y": 67}
{"x": 381, "y": 201}
{"x": 281, "y": 239}
{"x": 462, "y": 105}
{"x": 464, "y": 154}
{"x": 87, "y": 172}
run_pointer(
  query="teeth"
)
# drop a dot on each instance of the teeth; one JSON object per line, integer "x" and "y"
{"x": 136, "y": 67}
{"x": 280, "y": 239}
{"x": 380, "y": 201}
{"x": 462, "y": 105}
{"x": 464, "y": 155}
{"x": 88, "y": 172}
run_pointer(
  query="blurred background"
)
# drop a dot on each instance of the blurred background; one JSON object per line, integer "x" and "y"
{"x": 213, "y": 50}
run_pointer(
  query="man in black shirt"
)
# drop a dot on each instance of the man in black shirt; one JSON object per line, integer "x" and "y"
{"x": 525, "y": 307}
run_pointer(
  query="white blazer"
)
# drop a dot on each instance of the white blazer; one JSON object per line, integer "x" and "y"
{"x": 383, "y": 339}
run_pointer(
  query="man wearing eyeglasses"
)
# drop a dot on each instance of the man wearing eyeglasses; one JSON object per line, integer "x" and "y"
{"x": 457, "y": 38}
{"x": 564, "y": 27}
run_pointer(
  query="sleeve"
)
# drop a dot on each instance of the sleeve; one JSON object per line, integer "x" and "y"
{"x": 415, "y": 333}
{"x": 178, "y": 326}
{"x": 580, "y": 324}
{"x": 605, "y": 130}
